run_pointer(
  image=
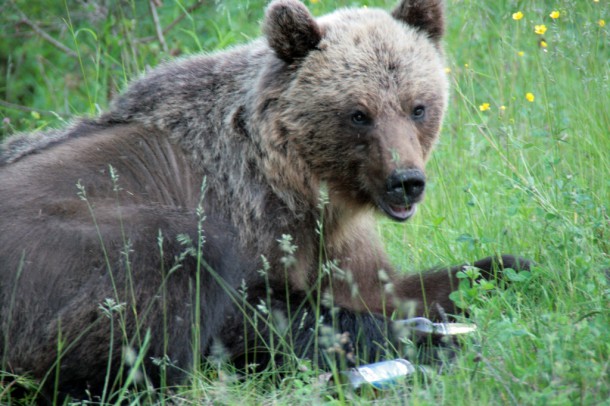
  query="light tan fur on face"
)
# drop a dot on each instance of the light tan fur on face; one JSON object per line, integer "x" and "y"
{"x": 366, "y": 60}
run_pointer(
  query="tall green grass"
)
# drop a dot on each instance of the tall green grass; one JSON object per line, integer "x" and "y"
{"x": 525, "y": 177}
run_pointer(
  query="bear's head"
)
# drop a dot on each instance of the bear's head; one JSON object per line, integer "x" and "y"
{"x": 365, "y": 99}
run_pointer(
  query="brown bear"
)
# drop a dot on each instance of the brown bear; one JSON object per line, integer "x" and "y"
{"x": 109, "y": 241}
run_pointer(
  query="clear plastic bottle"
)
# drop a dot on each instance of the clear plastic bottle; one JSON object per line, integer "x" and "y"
{"x": 380, "y": 375}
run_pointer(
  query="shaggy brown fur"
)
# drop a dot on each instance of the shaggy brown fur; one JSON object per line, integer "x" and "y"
{"x": 350, "y": 104}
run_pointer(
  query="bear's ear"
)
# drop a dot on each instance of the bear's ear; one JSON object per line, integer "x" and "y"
{"x": 290, "y": 29}
{"x": 425, "y": 15}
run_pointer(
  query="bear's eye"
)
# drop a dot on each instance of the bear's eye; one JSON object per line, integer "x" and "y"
{"x": 360, "y": 118}
{"x": 419, "y": 112}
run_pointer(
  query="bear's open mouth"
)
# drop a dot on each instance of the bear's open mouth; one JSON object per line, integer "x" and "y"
{"x": 399, "y": 213}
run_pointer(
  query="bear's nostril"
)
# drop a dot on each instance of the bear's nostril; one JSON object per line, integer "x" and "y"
{"x": 407, "y": 182}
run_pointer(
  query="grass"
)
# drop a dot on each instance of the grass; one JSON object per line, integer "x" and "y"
{"x": 525, "y": 177}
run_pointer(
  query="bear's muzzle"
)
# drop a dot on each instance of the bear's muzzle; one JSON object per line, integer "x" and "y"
{"x": 404, "y": 189}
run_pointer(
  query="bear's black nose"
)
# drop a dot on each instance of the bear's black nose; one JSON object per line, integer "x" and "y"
{"x": 406, "y": 183}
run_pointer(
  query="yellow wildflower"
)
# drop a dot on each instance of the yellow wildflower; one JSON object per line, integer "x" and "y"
{"x": 530, "y": 97}
{"x": 314, "y": 1}
{"x": 484, "y": 107}
{"x": 540, "y": 29}
{"x": 543, "y": 44}
{"x": 502, "y": 107}
{"x": 554, "y": 14}
{"x": 520, "y": 53}
{"x": 517, "y": 16}
{"x": 601, "y": 23}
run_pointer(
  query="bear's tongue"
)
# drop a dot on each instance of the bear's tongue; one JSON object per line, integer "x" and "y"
{"x": 402, "y": 213}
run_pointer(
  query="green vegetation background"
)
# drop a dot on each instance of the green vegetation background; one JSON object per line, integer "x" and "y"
{"x": 509, "y": 174}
